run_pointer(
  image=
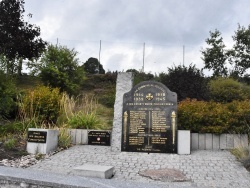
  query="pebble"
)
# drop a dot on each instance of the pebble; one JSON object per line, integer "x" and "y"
{"x": 23, "y": 162}
{"x": 27, "y": 160}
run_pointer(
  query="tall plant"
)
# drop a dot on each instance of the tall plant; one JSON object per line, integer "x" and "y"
{"x": 79, "y": 112}
{"x": 40, "y": 106}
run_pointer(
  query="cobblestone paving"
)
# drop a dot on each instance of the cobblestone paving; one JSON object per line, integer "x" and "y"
{"x": 204, "y": 168}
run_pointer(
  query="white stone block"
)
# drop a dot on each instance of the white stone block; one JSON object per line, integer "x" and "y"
{"x": 216, "y": 141}
{"x": 223, "y": 141}
{"x": 184, "y": 142}
{"x": 43, "y": 148}
{"x": 209, "y": 141}
{"x": 230, "y": 141}
{"x": 202, "y": 141}
{"x": 84, "y": 133}
{"x": 195, "y": 141}
{"x": 94, "y": 171}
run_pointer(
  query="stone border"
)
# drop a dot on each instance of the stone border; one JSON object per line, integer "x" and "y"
{"x": 209, "y": 141}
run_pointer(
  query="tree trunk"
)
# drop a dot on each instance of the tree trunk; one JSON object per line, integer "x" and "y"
{"x": 19, "y": 67}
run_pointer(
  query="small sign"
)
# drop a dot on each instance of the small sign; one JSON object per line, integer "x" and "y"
{"x": 101, "y": 138}
{"x": 37, "y": 136}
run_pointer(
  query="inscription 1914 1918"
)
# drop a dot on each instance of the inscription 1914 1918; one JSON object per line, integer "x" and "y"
{"x": 149, "y": 119}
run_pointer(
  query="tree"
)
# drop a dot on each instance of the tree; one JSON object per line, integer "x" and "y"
{"x": 215, "y": 56}
{"x": 18, "y": 39}
{"x": 93, "y": 66}
{"x": 59, "y": 68}
{"x": 133, "y": 71}
{"x": 187, "y": 82}
{"x": 140, "y": 76}
{"x": 239, "y": 56}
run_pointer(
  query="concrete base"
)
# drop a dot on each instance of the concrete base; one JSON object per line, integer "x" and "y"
{"x": 79, "y": 136}
{"x": 44, "y": 148}
{"x": 94, "y": 171}
{"x": 184, "y": 142}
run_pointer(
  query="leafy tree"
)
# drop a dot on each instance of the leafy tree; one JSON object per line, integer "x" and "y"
{"x": 59, "y": 68}
{"x": 93, "y": 66}
{"x": 239, "y": 56}
{"x": 187, "y": 82}
{"x": 18, "y": 39}
{"x": 215, "y": 56}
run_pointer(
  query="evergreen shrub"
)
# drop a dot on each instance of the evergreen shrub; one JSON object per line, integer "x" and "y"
{"x": 213, "y": 117}
{"x": 228, "y": 90}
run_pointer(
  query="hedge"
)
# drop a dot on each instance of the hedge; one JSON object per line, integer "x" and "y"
{"x": 213, "y": 117}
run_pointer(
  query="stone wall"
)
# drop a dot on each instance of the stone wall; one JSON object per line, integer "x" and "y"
{"x": 208, "y": 141}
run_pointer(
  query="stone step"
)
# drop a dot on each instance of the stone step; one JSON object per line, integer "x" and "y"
{"x": 94, "y": 171}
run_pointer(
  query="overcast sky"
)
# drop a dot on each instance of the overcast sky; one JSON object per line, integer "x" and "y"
{"x": 123, "y": 26}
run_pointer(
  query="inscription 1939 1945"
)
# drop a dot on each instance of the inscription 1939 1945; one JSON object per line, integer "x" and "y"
{"x": 149, "y": 119}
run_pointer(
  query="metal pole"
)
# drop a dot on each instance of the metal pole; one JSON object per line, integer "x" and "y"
{"x": 183, "y": 55}
{"x": 99, "y": 56}
{"x": 143, "y": 57}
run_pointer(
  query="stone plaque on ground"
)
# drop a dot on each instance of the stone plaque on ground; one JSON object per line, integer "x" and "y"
{"x": 99, "y": 138}
{"x": 149, "y": 119}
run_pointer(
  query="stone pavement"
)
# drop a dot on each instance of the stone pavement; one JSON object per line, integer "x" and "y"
{"x": 204, "y": 168}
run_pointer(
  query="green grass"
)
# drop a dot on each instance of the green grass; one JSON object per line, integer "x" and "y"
{"x": 105, "y": 115}
{"x": 26, "y": 82}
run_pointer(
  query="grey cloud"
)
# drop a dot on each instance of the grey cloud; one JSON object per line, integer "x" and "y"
{"x": 170, "y": 23}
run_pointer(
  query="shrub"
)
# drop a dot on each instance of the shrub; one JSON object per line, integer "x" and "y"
{"x": 200, "y": 116}
{"x": 41, "y": 105}
{"x": 59, "y": 68}
{"x": 10, "y": 143}
{"x": 83, "y": 121}
{"x": 12, "y": 127}
{"x": 79, "y": 112}
{"x": 227, "y": 90}
{"x": 140, "y": 76}
{"x": 187, "y": 82}
{"x": 7, "y": 97}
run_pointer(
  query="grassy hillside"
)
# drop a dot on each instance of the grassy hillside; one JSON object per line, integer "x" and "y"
{"x": 102, "y": 87}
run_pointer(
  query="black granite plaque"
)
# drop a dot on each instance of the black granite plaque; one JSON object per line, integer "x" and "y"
{"x": 37, "y": 136}
{"x": 149, "y": 119}
{"x": 101, "y": 138}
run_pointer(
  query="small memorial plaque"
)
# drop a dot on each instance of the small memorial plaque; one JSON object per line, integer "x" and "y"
{"x": 101, "y": 138}
{"x": 37, "y": 136}
{"x": 149, "y": 119}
